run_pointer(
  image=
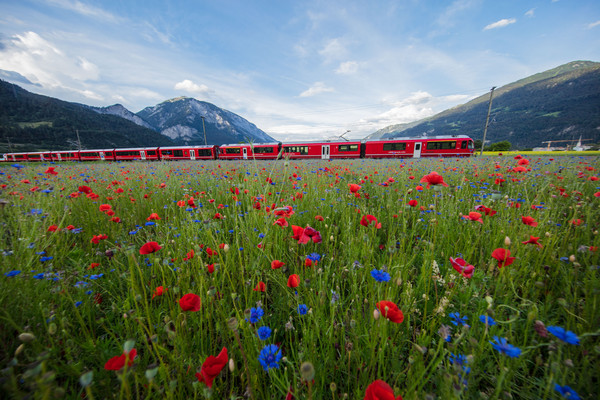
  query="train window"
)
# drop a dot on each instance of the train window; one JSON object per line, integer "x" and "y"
{"x": 262, "y": 150}
{"x": 441, "y": 145}
{"x": 471, "y": 144}
{"x": 232, "y": 150}
{"x": 348, "y": 147}
{"x": 463, "y": 145}
{"x": 135, "y": 153}
{"x": 92, "y": 154}
{"x": 166, "y": 152}
{"x": 178, "y": 153}
{"x": 34, "y": 156}
{"x": 303, "y": 150}
{"x": 204, "y": 152}
{"x": 151, "y": 152}
{"x": 394, "y": 146}
{"x": 19, "y": 156}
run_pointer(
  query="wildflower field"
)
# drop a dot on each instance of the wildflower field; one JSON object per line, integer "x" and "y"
{"x": 361, "y": 279}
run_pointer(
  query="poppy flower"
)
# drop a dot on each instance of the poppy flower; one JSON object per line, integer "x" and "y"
{"x": 380, "y": 390}
{"x": 354, "y": 187}
{"x": 433, "y": 179}
{"x": 503, "y": 257}
{"x": 85, "y": 189}
{"x": 368, "y": 219}
{"x": 51, "y": 171}
{"x": 189, "y": 255}
{"x": 53, "y": 228}
{"x": 282, "y": 222}
{"x": 150, "y": 247}
{"x": 115, "y": 219}
{"x": 462, "y": 267}
{"x": 297, "y": 232}
{"x": 293, "y": 281}
{"x": 190, "y": 302}
{"x": 153, "y": 217}
{"x": 533, "y": 240}
{"x": 260, "y": 287}
{"x": 93, "y": 265}
{"x": 104, "y": 207}
{"x": 159, "y": 291}
{"x": 118, "y": 362}
{"x": 211, "y": 268}
{"x": 529, "y": 221}
{"x": 97, "y": 238}
{"x": 276, "y": 264}
{"x": 218, "y": 216}
{"x": 319, "y": 218}
{"x": 391, "y": 311}
{"x": 284, "y": 212}
{"x": 211, "y": 367}
{"x": 309, "y": 234}
{"x": 413, "y": 203}
{"x": 486, "y": 210}
{"x": 473, "y": 216}
{"x": 576, "y": 222}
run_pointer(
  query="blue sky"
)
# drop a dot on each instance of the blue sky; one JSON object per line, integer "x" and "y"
{"x": 297, "y": 69}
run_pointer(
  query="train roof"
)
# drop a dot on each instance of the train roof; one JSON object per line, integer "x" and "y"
{"x": 250, "y": 144}
{"x": 89, "y": 150}
{"x": 201, "y": 146}
{"x": 418, "y": 138}
{"x": 136, "y": 148}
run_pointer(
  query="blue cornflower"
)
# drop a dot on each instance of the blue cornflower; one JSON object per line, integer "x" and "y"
{"x": 12, "y": 273}
{"x": 44, "y": 259}
{"x": 302, "y": 309}
{"x": 565, "y": 336}
{"x": 504, "y": 347}
{"x": 380, "y": 275}
{"x": 132, "y": 232}
{"x": 269, "y": 357}
{"x": 39, "y": 276}
{"x": 566, "y": 392}
{"x": 150, "y": 223}
{"x": 457, "y": 319}
{"x": 314, "y": 256}
{"x": 489, "y": 321}
{"x": 261, "y": 235}
{"x": 256, "y": 314}
{"x": 264, "y": 332}
{"x": 78, "y": 303}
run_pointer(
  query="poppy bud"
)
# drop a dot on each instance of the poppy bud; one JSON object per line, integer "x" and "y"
{"x": 26, "y": 337}
{"x": 232, "y": 323}
{"x": 226, "y": 248}
{"x": 399, "y": 281}
{"x": 376, "y": 314}
{"x": 333, "y": 387}
{"x": 52, "y": 328}
{"x": 489, "y": 300}
{"x": 548, "y": 234}
{"x": 507, "y": 241}
{"x": 572, "y": 258}
{"x": 19, "y": 349}
{"x": 231, "y": 365}
{"x": 307, "y": 371}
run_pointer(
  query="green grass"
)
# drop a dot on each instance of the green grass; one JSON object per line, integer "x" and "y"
{"x": 557, "y": 285}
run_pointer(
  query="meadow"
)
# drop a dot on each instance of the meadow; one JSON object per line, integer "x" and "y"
{"x": 301, "y": 279}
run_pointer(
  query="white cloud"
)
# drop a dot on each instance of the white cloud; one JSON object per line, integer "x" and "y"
{"x": 333, "y": 50}
{"x": 449, "y": 16}
{"x": 316, "y": 88}
{"x": 593, "y": 24}
{"x": 530, "y": 13}
{"x": 85, "y": 9}
{"x": 347, "y": 68}
{"x": 500, "y": 24}
{"x": 91, "y": 95}
{"x": 189, "y": 86}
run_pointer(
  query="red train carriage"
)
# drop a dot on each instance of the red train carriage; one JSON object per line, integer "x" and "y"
{"x": 140, "y": 153}
{"x": 68, "y": 155}
{"x": 17, "y": 157}
{"x": 448, "y": 146}
{"x": 434, "y": 146}
{"x": 39, "y": 156}
{"x": 97, "y": 155}
{"x": 322, "y": 150}
{"x": 245, "y": 151}
{"x": 188, "y": 153}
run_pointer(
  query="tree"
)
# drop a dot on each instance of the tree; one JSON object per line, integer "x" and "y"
{"x": 500, "y": 146}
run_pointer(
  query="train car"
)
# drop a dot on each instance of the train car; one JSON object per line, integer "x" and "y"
{"x": 417, "y": 147}
{"x": 39, "y": 156}
{"x": 3, "y": 157}
{"x": 322, "y": 150}
{"x": 140, "y": 153}
{"x": 188, "y": 153}
{"x": 67, "y": 155}
{"x": 16, "y": 157}
{"x": 245, "y": 151}
{"x": 97, "y": 155}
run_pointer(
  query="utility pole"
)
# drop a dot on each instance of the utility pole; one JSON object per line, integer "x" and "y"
{"x": 204, "y": 129}
{"x": 487, "y": 120}
{"x": 78, "y": 141}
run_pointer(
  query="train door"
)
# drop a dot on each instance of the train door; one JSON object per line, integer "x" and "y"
{"x": 417, "y": 153}
{"x": 143, "y": 155}
{"x": 325, "y": 152}
{"x": 245, "y": 153}
{"x": 192, "y": 154}
{"x": 101, "y": 155}
{"x": 59, "y": 156}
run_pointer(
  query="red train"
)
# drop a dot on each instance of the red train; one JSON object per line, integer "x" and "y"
{"x": 433, "y": 146}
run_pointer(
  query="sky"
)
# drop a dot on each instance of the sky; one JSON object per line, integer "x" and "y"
{"x": 299, "y": 70}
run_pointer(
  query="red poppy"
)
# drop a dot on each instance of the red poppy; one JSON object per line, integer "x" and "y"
{"x": 354, "y": 187}
{"x": 189, "y": 255}
{"x": 597, "y": 194}
{"x": 284, "y": 212}
{"x": 533, "y": 240}
{"x": 433, "y": 179}
{"x": 307, "y": 235}
{"x": 260, "y": 287}
{"x": 523, "y": 161}
{"x": 93, "y": 265}
{"x": 368, "y": 219}
{"x": 576, "y": 222}
{"x": 473, "y": 216}
{"x": 190, "y": 203}
{"x": 529, "y": 221}
{"x": 413, "y": 203}
{"x": 293, "y": 281}
{"x": 319, "y": 218}
{"x": 211, "y": 252}
{"x": 51, "y": 171}
{"x": 276, "y": 264}
{"x": 379, "y": 390}
{"x": 282, "y": 222}
{"x": 118, "y": 362}
{"x": 218, "y": 216}
{"x": 419, "y": 188}
{"x": 519, "y": 169}
{"x": 391, "y": 311}
{"x": 159, "y": 291}
{"x": 211, "y": 367}
{"x": 150, "y": 247}
{"x": 486, "y": 210}
{"x": 297, "y": 232}
{"x": 211, "y": 268}
{"x": 97, "y": 238}
{"x": 462, "y": 267}
{"x": 85, "y": 189}
{"x": 153, "y": 217}
{"x": 70, "y": 227}
{"x": 53, "y": 228}
{"x": 104, "y": 207}
{"x": 190, "y": 302}
{"x": 503, "y": 257}
{"x": 115, "y": 219}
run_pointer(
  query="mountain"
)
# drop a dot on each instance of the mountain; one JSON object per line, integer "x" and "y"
{"x": 120, "y": 111}
{"x": 32, "y": 122}
{"x": 559, "y": 104}
{"x": 180, "y": 119}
